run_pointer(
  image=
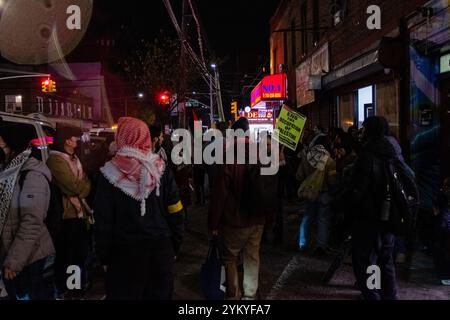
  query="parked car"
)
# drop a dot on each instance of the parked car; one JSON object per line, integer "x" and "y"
{"x": 45, "y": 130}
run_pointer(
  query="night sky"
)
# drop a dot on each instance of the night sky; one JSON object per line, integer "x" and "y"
{"x": 237, "y": 31}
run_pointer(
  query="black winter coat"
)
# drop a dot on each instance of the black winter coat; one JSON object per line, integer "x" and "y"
{"x": 119, "y": 222}
{"x": 368, "y": 185}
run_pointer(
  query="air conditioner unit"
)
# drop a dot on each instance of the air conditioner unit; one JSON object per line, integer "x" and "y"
{"x": 315, "y": 82}
{"x": 338, "y": 16}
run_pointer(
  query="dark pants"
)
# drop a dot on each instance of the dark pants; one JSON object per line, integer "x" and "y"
{"x": 142, "y": 272}
{"x": 72, "y": 247}
{"x": 375, "y": 248}
{"x": 441, "y": 254}
{"x": 199, "y": 181}
{"x": 30, "y": 284}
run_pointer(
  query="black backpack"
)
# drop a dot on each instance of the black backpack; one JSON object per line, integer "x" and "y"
{"x": 55, "y": 211}
{"x": 404, "y": 194}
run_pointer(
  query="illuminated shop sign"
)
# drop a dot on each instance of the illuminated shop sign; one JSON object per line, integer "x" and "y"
{"x": 270, "y": 88}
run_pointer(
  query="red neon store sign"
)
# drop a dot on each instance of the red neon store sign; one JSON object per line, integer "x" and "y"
{"x": 274, "y": 87}
{"x": 270, "y": 88}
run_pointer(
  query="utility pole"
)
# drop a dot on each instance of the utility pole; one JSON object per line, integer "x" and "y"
{"x": 211, "y": 101}
{"x": 182, "y": 93}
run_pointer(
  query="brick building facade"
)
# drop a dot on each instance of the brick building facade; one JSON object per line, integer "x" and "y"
{"x": 341, "y": 72}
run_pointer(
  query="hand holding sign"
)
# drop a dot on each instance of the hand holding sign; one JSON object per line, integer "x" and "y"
{"x": 290, "y": 127}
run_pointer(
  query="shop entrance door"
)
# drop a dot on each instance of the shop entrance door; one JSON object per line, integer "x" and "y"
{"x": 445, "y": 124}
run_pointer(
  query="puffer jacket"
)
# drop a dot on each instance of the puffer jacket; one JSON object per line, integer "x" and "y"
{"x": 25, "y": 238}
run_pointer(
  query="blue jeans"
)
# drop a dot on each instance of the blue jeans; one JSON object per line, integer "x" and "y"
{"x": 321, "y": 208}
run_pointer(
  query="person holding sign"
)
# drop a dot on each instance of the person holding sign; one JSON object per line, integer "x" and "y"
{"x": 317, "y": 175}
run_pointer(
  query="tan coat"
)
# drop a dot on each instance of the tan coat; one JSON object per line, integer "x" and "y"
{"x": 69, "y": 185}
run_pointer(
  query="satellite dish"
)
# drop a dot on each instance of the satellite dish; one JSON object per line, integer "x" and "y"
{"x": 37, "y": 32}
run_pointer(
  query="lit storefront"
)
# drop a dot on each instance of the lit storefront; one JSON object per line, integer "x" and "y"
{"x": 266, "y": 101}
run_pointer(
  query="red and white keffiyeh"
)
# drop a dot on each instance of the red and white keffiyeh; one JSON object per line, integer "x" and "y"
{"x": 135, "y": 169}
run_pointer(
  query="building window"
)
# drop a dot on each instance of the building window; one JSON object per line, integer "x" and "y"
{"x": 50, "y": 107}
{"x": 62, "y": 109}
{"x": 78, "y": 111}
{"x": 40, "y": 104}
{"x": 316, "y": 21}
{"x": 366, "y": 106}
{"x": 69, "y": 109}
{"x": 304, "y": 16}
{"x": 90, "y": 113}
{"x": 293, "y": 43}
{"x": 346, "y": 110}
{"x": 13, "y": 104}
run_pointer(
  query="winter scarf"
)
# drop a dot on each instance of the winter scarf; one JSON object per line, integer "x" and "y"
{"x": 318, "y": 157}
{"x": 135, "y": 170}
{"x": 8, "y": 178}
{"x": 77, "y": 170}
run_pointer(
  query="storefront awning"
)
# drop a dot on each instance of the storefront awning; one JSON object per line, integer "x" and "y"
{"x": 355, "y": 70}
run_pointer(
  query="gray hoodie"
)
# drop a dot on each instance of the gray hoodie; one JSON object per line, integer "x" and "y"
{"x": 25, "y": 238}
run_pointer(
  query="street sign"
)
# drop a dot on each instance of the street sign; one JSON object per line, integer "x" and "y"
{"x": 192, "y": 103}
{"x": 290, "y": 127}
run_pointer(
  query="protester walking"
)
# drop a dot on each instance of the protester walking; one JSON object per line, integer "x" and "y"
{"x": 317, "y": 175}
{"x": 239, "y": 227}
{"x": 139, "y": 218}
{"x": 371, "y": 207}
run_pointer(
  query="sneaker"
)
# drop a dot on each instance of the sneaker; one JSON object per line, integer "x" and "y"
{"x": 302, "y": 249}
{"x": 445, "y": 282}
{"x": 248, "y": 298}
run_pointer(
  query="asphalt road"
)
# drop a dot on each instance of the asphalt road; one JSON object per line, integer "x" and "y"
{"x": 289, "y": 275}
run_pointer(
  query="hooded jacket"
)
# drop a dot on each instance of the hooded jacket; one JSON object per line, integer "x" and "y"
{"x": 25, "y": 238}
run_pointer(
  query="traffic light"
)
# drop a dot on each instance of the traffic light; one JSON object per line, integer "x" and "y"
{"x": 52, "y": 86}
{"x": 234, "y": 108}
{"x": 48, "y": 85}
{"x": 164, "y": 99}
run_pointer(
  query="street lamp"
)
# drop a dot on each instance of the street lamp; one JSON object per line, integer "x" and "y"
{"x": 213, "y": 65}
{"x": 140, "y": 95}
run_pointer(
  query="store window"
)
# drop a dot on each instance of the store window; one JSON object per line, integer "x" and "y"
{"x": 366, "y": 107}
{"x": 346, "y": 107}
{"x": 387, "y": 105}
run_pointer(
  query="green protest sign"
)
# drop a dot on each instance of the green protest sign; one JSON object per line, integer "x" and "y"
{"x": 290, "y": 127}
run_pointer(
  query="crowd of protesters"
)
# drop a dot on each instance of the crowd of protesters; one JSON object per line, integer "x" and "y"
{"x": 128, "y": 205}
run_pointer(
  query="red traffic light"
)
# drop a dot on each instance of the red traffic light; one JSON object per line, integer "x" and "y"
{"x": 164, "y": 98}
